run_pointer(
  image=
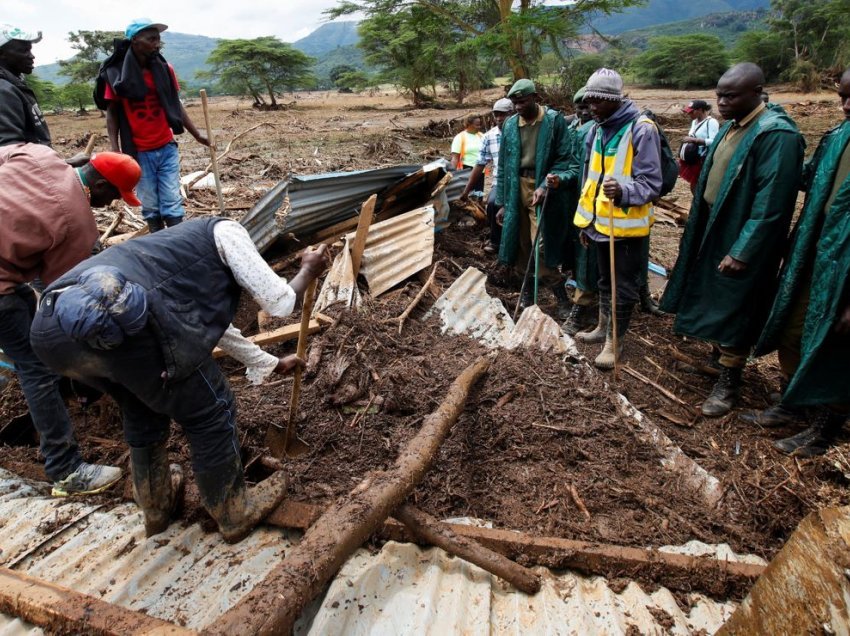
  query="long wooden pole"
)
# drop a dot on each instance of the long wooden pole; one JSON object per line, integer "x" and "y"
{"x": 274, "y": 605}
{"x": 213, "y": 159}
{"x": 613, "y": 288}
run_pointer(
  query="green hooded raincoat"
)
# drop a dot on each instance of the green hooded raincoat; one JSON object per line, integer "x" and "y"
{"x": 749, "y": 221}
{"x": 822, "y": 236}
{"x": 554, "y": 155}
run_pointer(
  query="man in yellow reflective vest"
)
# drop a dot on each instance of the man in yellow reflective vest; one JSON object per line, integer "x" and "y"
{"x": 621, "y": 178}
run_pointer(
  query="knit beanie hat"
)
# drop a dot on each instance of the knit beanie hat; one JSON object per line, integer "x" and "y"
{"x": 604, "y": 84}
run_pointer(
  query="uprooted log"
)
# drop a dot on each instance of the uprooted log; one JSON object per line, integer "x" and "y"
{"x": 274, "y": 605}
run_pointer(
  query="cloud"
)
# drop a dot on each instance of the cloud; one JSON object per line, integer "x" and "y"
{"x": 288, "y": 20}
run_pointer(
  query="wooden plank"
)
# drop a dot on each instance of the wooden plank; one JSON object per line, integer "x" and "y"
{"x": 289, "y": 332}
{"x": 675, "y": 571}
{"x": 364, "y": 222}
{"x": 59, "y": 610}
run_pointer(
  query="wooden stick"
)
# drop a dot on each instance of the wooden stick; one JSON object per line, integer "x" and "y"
{"x": 665, "y": 392}
{"x": 428, "y": 529}
{"x": 213, "y": 161}
{"x": 577, "y": 500}
{"x": 274, "y": 605}
{"x": 703, "y": 368}
{"x": 417, "y": 298}
{"x": 281, "y": 334}
{"x": 209, "y": 166}
{"x": 363, "y": 224}
{"x": 59, "y": 610}
{"x": 613, "y": 288}
{"x": 90, "y": 144}
{"x": 108, "y": 232}
{"x": 300, "y": 351}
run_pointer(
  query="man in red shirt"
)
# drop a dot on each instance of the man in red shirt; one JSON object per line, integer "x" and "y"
{"x": 139, "y": 92}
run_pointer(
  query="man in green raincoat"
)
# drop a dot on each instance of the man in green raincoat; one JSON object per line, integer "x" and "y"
{"x": 810, "y": 321}
{"x": 724, "y": 280}
{"x": 536, "y": 153}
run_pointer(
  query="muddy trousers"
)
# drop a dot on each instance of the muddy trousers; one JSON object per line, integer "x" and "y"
{"x": 527, "y": 231}
{"x": 201, "y": 403}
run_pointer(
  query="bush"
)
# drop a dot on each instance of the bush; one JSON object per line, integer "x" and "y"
{"x": 682, "y": 61}
{"x": 765, "y": 49}
{"x": 805, "y": 76}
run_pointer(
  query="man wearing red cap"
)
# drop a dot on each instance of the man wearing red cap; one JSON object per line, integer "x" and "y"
{"x": 139, "y": 91}
{"x": 48, "y": 227}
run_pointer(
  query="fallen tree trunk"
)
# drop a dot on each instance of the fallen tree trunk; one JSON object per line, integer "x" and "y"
{"x": 425, "y": 528}
{"x": 274, "y": 605}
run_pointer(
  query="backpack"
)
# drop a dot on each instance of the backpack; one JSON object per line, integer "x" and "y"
{"x": 669, "y": 165}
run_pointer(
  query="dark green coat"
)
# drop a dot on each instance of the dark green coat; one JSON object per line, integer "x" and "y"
{"x": 823, "y": 376}
{"x": 554, "y": 155}
{"x": 749, "y": 221}
{"x": 583, "y": 264}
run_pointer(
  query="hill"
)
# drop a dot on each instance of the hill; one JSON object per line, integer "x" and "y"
{"x": 186, "y": 53}
{"x": 327, "y": 38}
{"x": 666, "y": 11}
{"x": 726, "y": 26}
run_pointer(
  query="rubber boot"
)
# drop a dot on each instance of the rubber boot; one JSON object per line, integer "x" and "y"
{"x": 647, "y": 304}
{"x": 155, "y": 224}
{"x": 816, "y": 439}
{"x": 563, "y": 300}
{"x": 605, "y": 360}
{"x": 171, "y": 221}
{"x": 600, "y": 331}
{"x": 157, "y": 487}
{"x": 581, "y": 317}
{"x": 724, "y": 395}
{"x": 235, "y": 509}
{"x": 527, "y": 297}
{"x": 773, "y": 417}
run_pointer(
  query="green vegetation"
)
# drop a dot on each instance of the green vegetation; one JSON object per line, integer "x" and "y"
{"x": 729, "y": 27}
{"x": 682, "y": 61}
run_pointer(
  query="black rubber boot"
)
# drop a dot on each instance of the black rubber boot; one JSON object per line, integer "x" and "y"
{"x": 581, "y": 317}
{"x": 235, "y": 509}
{"x": 171, "y": 221}
{"x": 155, "y": 224}
{"x": 563, "y": 299}
{"x": 157, "y": 487}
{"x": 773, "y": 416}
{"x": 816, "y": 439}
{"x": 647, "y": 304}
{"x": 724, "y": 395}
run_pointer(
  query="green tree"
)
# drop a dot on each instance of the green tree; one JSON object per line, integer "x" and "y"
{"x": 765, "y": 49}
{"x": 46, "y": 93}
{"x": 353, "y": 81}
{"x": 92, "y": 47}
{"x": 682, "y": 61}
{"x": 259, "y": 67}
{"x": 339, "y": 70}
{"x": 818, "y": 32}
{"x": 499, "y": 29}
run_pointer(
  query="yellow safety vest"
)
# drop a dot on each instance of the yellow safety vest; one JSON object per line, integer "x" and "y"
{"x": 593, "y": 206}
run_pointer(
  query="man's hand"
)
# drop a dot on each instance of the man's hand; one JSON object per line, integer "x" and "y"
{"x": 612, "y": 190}
{"x": 537, "y": 197}
{"x": 842, "y": 326}
{"x": 730, "y": 266}
{"x": 464, "y": 196}
{"x": 287, "y": 364}
{"x": 316, "y": 261}
{"x": 553, "y": 181}
{"x": 500, "y": 217}
{"x": 78, "y": 160}
{"x": 202, "y": 139}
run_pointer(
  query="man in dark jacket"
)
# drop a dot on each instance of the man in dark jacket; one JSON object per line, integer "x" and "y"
{"x": 139, "y": 92}
{"x": 809, "y": 324}
{"x": 135, "y": 322}
{"x": 21, "y": 120}
{"x": 725, "y": 277}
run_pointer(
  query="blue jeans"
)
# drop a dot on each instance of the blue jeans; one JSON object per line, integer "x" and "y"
{"x": 202, "y": 404}
{"x": 159, "y": 187}
{"x": 39, "y": 384}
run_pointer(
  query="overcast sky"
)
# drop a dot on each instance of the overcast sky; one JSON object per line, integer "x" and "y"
{"x": 289, "y": 20}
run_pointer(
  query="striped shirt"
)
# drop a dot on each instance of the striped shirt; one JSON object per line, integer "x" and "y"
{"x": 489, "y": 152}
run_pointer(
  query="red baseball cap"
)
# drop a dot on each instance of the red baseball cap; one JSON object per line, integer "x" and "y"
{"x": 120, "y": 170}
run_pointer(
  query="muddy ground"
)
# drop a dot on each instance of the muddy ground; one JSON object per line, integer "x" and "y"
{"x": 540, "y": 438}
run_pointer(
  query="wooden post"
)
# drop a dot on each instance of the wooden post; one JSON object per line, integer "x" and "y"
{"x": 613, "y": 289}
{"x": 363, "y": 224}
{"x": 90, "y": 144}
{"x": 213, "y": 159}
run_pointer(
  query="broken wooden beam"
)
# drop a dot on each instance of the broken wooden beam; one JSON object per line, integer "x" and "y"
{"x": 274, "y": 605}
{"x": 429, "y": 530}
{"x": 59, "y": 610}
{"x": 716, "y": 577}
{"x": 282, "y": 334}
{"x": 364, "y": 222}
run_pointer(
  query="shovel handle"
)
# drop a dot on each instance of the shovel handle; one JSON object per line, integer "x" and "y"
{"x": 301, "y": 350}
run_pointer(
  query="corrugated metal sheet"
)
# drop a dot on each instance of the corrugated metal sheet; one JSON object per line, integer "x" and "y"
{"x": 538, "y": 330}
{"x": 397, "y": 248}
{"x": 339, "y": 285}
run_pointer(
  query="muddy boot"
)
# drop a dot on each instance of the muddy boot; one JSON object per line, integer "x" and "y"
{"x": 171, "y": 221}
{"x": 600, "y": 332}
{"x": 157, "y": 487}
{"x": 563, "y": 299}
{"x": 647, "y": 304}
{"x": 816, "y": 439}
{"x": 581, "y": 317}
{"x": 773, "y": 417}
{"x": 605, "y": 360}
{"x": 235, "y": 509}
{"x": 527, "y": 297}
{"x": 155, "y": 224}
{"x": 724, "y": 395}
